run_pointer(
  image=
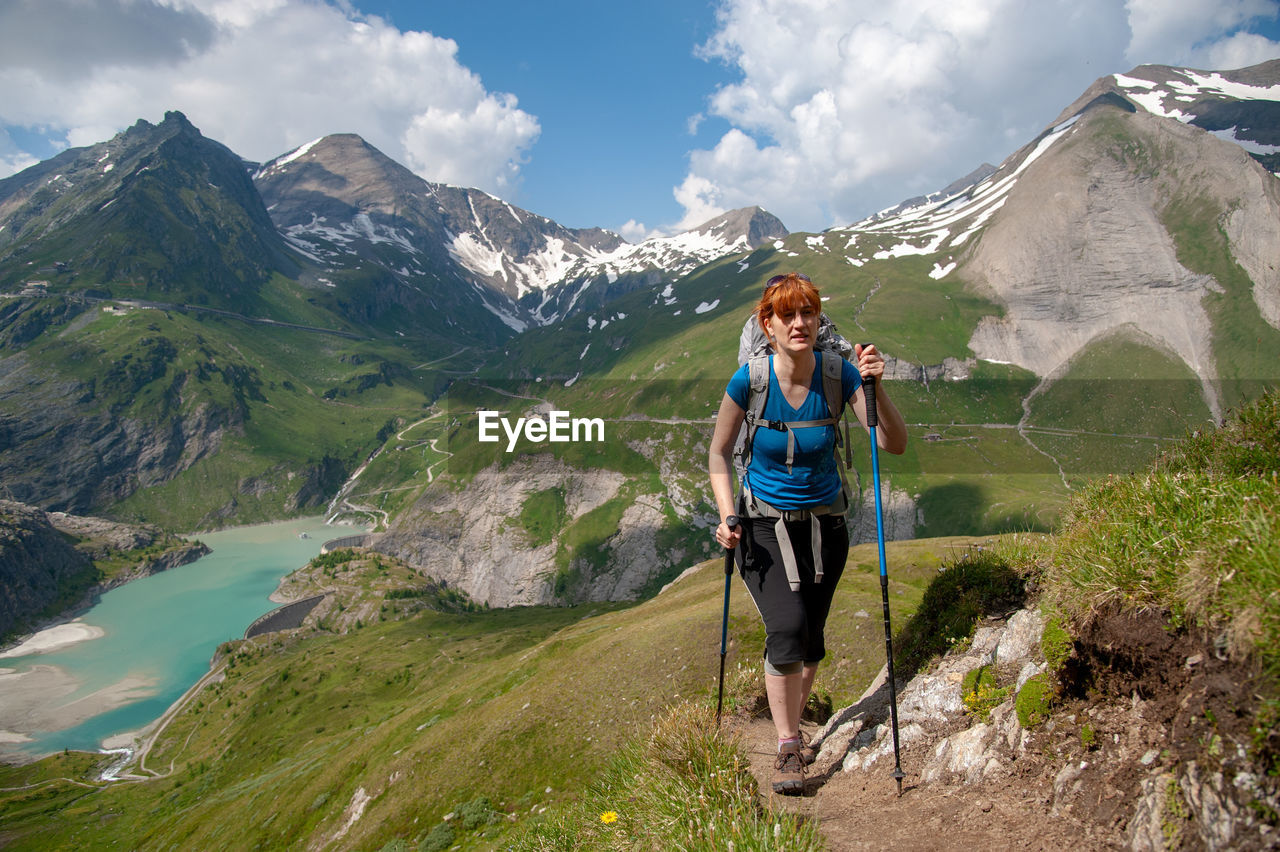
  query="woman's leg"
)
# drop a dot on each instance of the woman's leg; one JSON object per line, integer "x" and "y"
{"x": 806, "y": 683}
{"x": 794, "y": 622}
{"x": 786, "y": 702}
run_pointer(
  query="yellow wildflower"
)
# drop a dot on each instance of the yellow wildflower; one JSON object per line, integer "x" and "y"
{"x": 609, "y": 817}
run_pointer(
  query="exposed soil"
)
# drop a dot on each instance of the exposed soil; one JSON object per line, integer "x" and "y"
{"x": 1140, "y": 702}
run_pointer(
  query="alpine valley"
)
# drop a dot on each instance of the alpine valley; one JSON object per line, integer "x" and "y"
{"x": 190, "y": 341}
{"x": 193, "y": 341}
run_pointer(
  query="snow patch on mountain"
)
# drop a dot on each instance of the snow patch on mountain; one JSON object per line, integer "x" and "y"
{"x": 1183, "y": 94}
{"x": 278, "y": 164}
{"x": 923, "y": 228}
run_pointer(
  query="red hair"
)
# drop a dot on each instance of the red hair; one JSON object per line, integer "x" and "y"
{"x": 787, "y": 295}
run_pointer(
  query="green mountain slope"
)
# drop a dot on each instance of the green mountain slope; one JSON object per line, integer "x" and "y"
{"x": 409, "y": 712}
{"x": 190, "y": 420}
{"x": 159, "y": 212}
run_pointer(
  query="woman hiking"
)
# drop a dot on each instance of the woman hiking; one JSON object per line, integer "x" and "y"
{"x": 792, "y": 542}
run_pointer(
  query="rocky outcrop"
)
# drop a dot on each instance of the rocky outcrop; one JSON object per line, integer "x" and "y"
{"x": 472, "y": 538}
{"x": 1109, "y": 763}
{"x": 39, "y": 566}
{"x": 47, "y": 560}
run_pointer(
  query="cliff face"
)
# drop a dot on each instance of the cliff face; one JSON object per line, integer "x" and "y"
{"x": 39, "y": 566}
{"x": 50, "y": 561}
{"x": 472, "y": 538}
{"x": 1084, "y": 245}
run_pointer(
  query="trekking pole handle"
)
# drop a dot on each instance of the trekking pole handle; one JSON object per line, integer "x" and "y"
{"x": 870, "y": 394}
{"x": 732, "y": 523}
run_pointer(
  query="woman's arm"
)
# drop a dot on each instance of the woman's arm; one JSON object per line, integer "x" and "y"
{"x": 891, "y": 430}
{"x": 720, "y": 466}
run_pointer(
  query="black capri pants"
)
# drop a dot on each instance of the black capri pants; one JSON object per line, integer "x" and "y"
{"x": 793, "y": 621}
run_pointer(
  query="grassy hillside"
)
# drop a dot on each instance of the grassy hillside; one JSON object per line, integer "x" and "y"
{"x": 1186, "y": 551}
{"x": 259, "y": 423}
{"x": 426, "y": 711}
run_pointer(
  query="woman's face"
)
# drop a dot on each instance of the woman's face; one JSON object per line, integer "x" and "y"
{"x": 795, "y": 330}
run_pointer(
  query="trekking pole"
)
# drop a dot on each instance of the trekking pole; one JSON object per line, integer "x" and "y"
{"x": 870, "y": 394}
{"x": 731, "y": 522}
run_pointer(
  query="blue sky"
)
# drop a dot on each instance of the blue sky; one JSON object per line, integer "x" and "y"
{"x": 639, "y": 117}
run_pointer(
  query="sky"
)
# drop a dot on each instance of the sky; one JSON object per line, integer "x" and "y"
{"x": 645, "y": 118}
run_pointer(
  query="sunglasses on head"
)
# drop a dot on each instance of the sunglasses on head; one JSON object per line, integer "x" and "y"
{"x": 778, "y": 279}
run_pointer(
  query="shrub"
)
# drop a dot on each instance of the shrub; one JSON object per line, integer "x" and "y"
{"x": 965, "y": 591}
{"x": 475, "y": 813}
{"x": 438, "y": 839}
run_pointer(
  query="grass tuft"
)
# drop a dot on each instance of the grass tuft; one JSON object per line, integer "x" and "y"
{"x": 1197, "y": 536}
{"x": 688, "y": 786}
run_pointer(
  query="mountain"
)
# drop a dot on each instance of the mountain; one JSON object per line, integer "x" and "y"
{"x": 1108, "y": 286}
{"x": 347, "y": 206}
{"x": 1123, "y": 219}
{"x": 342, "y": 202}
{"x": 158, "y": 212}
{"x": 159, "y": 332}
{"x": 591, "y": 282}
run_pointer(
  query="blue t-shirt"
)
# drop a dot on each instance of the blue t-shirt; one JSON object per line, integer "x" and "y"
{"x": 814, "y": 479}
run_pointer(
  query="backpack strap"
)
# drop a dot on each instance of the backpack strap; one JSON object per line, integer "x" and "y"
{"x": 833, "y": 389}
{"x": 757, "y": 395}
{"x": 754, "y": 507}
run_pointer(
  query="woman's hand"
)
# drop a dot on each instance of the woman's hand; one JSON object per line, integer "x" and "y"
{"x": 727, "y": 538}
{"x": 870, "y": 361}
{"x": 891, "y": 434}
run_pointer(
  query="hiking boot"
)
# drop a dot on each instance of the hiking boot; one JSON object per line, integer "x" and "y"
{"x": 808, "y": 752}
{"x": 788, "y": 770}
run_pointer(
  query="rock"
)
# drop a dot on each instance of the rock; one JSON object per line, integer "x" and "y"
{"x": 881, "y": 740}
{"x": 1215, "y": 811}
{"x": 1021, "y": 639}
{"x": 964, "y": 754}
{"x": 472, "y": 538}
{"x": 1065, "y": 784}
{"x": 1028, "y": 671}
{"x": 1146, "y": 827}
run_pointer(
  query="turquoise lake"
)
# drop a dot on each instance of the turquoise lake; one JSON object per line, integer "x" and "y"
{"x": 165, "y": 628}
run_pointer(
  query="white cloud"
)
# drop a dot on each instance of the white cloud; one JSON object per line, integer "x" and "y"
{"x": 12, "y": 158}
{"x": 845, "y": 107}
{"x": 272, "y": 74}
{"x": 1238, "y": 51}
{"x": 1181, "y": 32}
{"x": 636, "y": 232}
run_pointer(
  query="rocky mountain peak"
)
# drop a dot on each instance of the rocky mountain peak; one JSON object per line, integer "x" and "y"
{"x": 753, "y": 225}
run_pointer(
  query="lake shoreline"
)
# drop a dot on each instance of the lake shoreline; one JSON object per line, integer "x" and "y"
{"x": 34, "y": 703}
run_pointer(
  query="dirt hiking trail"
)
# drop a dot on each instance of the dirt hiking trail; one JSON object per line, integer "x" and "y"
{"x": 1146, "y": 748}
